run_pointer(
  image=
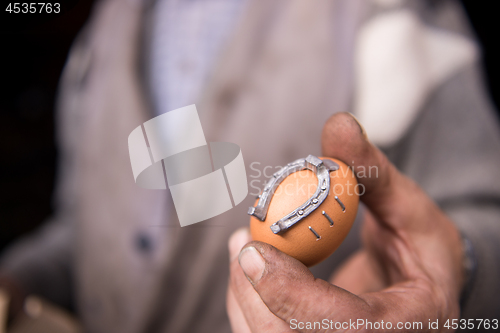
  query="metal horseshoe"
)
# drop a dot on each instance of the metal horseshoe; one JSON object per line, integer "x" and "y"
{"x": 321, "y": 168}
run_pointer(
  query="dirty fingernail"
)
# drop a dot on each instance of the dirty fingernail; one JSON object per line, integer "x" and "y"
{"x": 252, "y": 263}
{"x": 363, "y": 131}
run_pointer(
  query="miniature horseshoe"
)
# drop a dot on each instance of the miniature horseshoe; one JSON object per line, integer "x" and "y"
{"x": 321, "y": 168}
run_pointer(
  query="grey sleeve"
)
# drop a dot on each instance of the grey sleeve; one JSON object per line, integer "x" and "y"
{"x": 41, "y": 262}
{"x": 453, "y": 152}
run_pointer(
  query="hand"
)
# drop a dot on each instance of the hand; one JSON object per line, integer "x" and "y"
{"x": 409, "y": 270}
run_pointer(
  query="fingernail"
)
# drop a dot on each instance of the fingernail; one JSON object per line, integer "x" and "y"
{"x": 236, "y": 242}
{"x": 363, "y": 131}
{"x": 252, "y": 263}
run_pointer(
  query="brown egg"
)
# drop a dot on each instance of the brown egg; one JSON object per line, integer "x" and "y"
{"x": 316, "y": 236}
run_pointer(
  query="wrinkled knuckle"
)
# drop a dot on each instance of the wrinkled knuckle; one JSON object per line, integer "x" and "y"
{"x": 282, "y": 305}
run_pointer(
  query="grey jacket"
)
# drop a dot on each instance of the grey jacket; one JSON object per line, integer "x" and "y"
{"x": 118, "y": 250}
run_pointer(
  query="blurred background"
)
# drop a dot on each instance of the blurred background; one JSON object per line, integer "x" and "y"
{"x": 34, "y": 51}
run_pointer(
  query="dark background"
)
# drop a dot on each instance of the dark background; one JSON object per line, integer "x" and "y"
{"x": 34, "y": 50}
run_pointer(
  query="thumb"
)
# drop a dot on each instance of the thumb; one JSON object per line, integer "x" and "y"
{"x": 290, "y": 290}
